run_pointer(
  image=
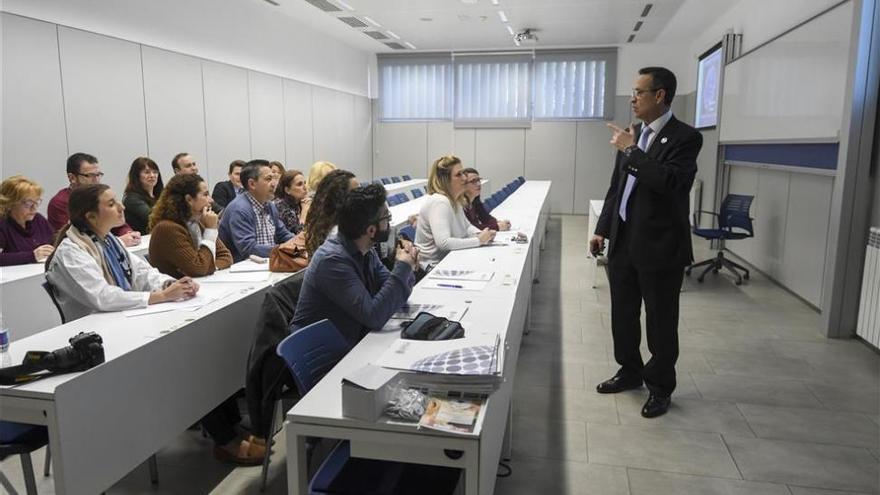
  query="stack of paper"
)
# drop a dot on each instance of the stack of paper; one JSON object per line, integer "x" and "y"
{"x": 249, "y": 266}
{"x": 207, "y": 294}
{"x": 474, "y": 355}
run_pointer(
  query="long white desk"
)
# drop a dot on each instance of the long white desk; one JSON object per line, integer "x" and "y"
{"x": 162, "y": 373}
{"x": 26, "y": 307}
{"x": 404, "y": 187}
{"x": 502, "y": 306}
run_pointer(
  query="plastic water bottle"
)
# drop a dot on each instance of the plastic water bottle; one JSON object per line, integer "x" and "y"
{"x": 4, "y": 336}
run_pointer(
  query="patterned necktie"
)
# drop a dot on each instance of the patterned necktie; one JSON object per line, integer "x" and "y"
{"x": 630, "y": 179}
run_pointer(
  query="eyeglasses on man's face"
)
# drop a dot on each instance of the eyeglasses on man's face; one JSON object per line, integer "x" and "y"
{"x": 639, "y": 92}
{"x": 475, "y": 180}
{"x": 93, "y": 175}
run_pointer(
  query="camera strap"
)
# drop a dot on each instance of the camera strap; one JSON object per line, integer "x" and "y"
{"x": 28, "y": 371}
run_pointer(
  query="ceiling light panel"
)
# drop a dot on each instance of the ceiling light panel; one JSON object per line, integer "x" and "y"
{"x": 502, "y": 16}
{"x": 344, "y": 5}
{"x": 510, "y": 30}
{"x": 324, "y": 5}
{"x": 393, "y": 35}
{"x": 371, "y": 21}
{"x": 353, "y": 22}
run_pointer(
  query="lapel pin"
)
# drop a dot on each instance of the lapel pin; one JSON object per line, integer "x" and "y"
{"x": 663, "y": 140}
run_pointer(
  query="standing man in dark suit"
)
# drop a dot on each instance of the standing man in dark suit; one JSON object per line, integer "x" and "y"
{"x": 645, "y": 217}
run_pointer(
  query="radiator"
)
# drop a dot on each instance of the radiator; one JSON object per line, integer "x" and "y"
{"x": 869, "y": 305}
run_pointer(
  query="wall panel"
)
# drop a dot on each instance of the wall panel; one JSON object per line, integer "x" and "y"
{"x": 298, "y": 135}
{"x": 266, "y": 104}
{"x": 333, "y": 120}
{"x": 175, "y": 108}
{"x": 550, "y": 155}
{"x": 34, "y": 136}
{"x": 103, "y": 100}
{"x": 226, "y": 117}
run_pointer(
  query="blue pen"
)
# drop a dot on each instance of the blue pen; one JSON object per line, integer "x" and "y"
{"x": 450, "y": 286}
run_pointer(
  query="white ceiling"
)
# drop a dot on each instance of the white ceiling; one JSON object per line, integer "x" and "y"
{"x": 475, "y": 24}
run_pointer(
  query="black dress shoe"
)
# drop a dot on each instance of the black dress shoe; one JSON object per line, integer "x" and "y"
{"x": 618, "y": 383}
{"x": 657, "y": 405}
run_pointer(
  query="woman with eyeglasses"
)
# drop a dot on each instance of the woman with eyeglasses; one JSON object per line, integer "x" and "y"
{"x": 442, "y": 225}
{"x": 143, "y": 189}
{"x": 90, "y": 269}
{"x": 475, "y": 211}
{"x": 25, "y": 235}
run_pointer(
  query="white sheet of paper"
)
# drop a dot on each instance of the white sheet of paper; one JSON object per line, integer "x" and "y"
{"x": 206, "y": 295}
{"x": 230, "y": 276}
{"x": 249, "y": 266}
{"x": 472, "y": 285}
{"x": 447, "y": 274}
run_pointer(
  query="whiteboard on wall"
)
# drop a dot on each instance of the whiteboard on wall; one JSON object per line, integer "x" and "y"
{"x": 791, "y": 89}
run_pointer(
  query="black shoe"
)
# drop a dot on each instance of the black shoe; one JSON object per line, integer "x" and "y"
{"x": 657, "y": 405}
{"x": 618, "y": 383}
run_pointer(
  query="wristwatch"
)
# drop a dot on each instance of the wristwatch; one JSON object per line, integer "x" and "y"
{"x": 629, "y": 150}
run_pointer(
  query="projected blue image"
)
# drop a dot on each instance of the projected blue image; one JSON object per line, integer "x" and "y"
{"x": 708, "y": 86}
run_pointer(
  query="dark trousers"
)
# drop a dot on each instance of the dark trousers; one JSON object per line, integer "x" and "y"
{"x": 660, "y": 290}
{"x": 220, "y": 422}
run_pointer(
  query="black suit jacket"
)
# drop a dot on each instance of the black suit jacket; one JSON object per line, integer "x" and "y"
{"x": 224, "y": 192}
{"x": 658, "y": 229}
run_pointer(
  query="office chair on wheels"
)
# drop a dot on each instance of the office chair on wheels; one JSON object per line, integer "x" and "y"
{"x": 734, "y": 214}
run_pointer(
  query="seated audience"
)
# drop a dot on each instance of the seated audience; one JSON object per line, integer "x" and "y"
{"x": 184, "y": 243}
{"x": 184, "y": 163}
{"x": 324, "y": 211}
{"x": 25, "y": 235}
{"x": 277, "y": 169}
{"x": 250, "y": 223}
{"x": 317, "y": 172}
{"x": 475, "y": 211}
{"x": 345, "y": 280}
{"x": 292, "y": 200}
{"x": 143, "y": 188}
{"x": 442, "y": 226}
{"x": 83, "y": 169}
{"x": 91, "y": 271}
{"x": 185, "y": 237}
{"x": 225, "y": 191}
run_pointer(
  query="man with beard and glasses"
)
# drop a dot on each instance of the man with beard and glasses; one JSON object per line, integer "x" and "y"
{"x": 346, "y": 282}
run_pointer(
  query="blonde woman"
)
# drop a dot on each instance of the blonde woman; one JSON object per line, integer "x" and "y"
{"x": 442, "y": 225}
{"x": 25, "y": 235}
{"x": 317, "y": 172}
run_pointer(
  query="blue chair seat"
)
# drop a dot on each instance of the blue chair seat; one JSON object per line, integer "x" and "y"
{"x": 720, "y": 234}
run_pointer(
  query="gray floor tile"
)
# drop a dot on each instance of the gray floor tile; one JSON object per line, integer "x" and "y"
{"x": 805, "y": 464}
{"x": 798, "y": 490}
{"x": 644, "y": 482}
{"x": 543, "y": 374}
{"x": 686, "y": 414}
{"x": 755, "y": 390}
{"x": 662, "y": 449}
{"x": 535, "y": 436}
{"x": 742, "y": 363}
{"x": 846, "y": 396}
{"x": 812, "y": 425}
{"x": 537, "y": 349}
{"x": 565, "y": 404}
{"x": 532, "y": 476}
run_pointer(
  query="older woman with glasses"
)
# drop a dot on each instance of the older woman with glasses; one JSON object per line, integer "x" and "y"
{"x": 25, "y": 235}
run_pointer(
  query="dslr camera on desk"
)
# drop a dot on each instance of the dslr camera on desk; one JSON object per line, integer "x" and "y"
{"x": 86, "y": 350}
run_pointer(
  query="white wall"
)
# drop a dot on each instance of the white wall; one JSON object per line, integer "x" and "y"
{"x": 576, "y": 156}
{"x": 244, "y": 33}
{"x": 118, "y": 99}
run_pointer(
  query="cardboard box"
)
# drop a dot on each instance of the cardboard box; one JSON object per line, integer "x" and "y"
{"x": 366, "y": 391}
